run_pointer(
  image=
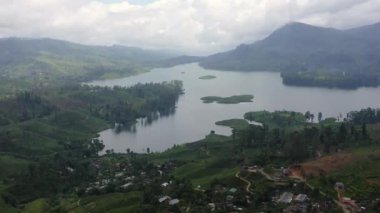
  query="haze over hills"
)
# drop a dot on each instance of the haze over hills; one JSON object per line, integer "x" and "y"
{"x": 306, "y": 55}
{"x": 58, "y": 60}
{"x": 302, "y": 47}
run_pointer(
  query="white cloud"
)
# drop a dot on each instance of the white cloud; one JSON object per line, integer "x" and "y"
{"x": 193, "y": 26}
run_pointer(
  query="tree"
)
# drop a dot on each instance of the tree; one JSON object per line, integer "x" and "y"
{"x": 312, "y": 117}
{"x": 342, "y": 134}
{"x": 319, "y": 116}
{"x": 233, "y": 135}
{"x": 148, "y": 150}
{"x": 307, "y": 115}
{"x": 296, "y": 148}
{"x": 364, "y": 130}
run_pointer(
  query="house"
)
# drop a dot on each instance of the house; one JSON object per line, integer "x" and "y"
{"x": 173, "y": 202}
{"x": 285, "y": 197}
{"x": 253, "y": 169}
{"x": 165, "y": 184}
{"x": 125, "y": 186}
{"x": 164, "y": 198}
{"x": 118, "y": 175}
{"x": 229, "y": 198}
{"x": 233, "y": 190}
{"x": 211, "y": 206}
{"x": 130, "y": 178}
{"x": 300, "y": 198}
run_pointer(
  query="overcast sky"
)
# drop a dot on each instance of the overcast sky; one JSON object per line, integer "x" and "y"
{"x": 190, "y": 26}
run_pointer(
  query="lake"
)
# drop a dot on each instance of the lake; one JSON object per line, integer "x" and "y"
{"x": 193, "y": 119}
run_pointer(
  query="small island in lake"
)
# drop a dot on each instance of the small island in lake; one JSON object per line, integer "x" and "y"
{"x": 235, "y": 99}
{"x": 207, "y": 77}
{"x": 237, "y": 124}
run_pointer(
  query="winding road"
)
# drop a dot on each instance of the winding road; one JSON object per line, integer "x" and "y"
{"x": 247, "y": 189}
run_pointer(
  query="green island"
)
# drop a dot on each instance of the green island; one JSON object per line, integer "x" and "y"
{"x": 326, "y": 79}
{"x": 207, "y": 77}
{"x": 235, "y": 99}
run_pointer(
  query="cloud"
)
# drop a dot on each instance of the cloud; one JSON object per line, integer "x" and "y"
{"x": 192, "y": 26}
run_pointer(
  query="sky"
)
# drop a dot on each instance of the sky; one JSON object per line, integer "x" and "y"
{"x": 197, "y": 27}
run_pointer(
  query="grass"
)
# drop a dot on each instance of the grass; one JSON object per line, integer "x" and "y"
{"x": 10, "y": 165}
{"x": 203, "y": 172}
{"x": 6, "y": 208}
{"x": 204, "y": 160}
{"x": 235, "y": 99}
{"x": 113, "y": 202}
{"x": 36, "y": 206}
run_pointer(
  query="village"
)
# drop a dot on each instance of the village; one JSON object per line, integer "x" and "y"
{"x": 254, "y": 188}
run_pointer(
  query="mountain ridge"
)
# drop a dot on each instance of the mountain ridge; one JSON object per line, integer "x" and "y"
{"x": 313, "y": 47}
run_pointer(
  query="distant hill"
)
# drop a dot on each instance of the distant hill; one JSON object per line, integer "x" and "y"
{"x": 302, "y": 47}
{"x": 52, "y": 61}
{"x": 296, "y": 49}
{"x": 184, "y": 59}
{"x": 371, "y": 32}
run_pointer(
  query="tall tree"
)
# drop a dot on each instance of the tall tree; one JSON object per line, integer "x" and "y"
{"x": 319, "y": 116}
{"x": 307, "y": 115}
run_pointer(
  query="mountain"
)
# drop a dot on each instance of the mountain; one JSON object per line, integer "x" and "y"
{"x": 54, "y": 61}
{"x": 370, "y": 32}
{"x": 184, "y": 59}
{"x": 300, "y": 47}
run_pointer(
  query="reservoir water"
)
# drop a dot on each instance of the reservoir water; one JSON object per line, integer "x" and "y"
{"x": 193, "y": 119}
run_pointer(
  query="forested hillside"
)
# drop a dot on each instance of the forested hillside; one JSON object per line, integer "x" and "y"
{"x": 341, "y": 58}
{"x": 26, "y": 63}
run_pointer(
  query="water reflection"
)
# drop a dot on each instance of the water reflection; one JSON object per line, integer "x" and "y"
{"x": 145, "y": 121}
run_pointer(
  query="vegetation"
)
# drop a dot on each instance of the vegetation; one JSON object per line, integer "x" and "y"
{"x": 277, "y": 118}
{"x": 234, "y": 123}
{"x": 41, "y": 63}
{"x": 48, "y": 140}
{"x": 368, "y": 116}
{"x": 207, "y": 77}
{"x": 235, "y": 99}
{"x": 309, "y": 56}
{"x": 326, "y": 79}
{"x": 49, "y": 148}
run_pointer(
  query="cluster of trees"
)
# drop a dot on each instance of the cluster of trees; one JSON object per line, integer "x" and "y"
{"x": 125, "y": 105}
{"x": 369, "y": 116}
{"x": 284, "y": 132}
{"x": 24, "y": 106}
{"x": 340, "y": 80}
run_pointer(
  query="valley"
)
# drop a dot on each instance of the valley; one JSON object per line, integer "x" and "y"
{"x": 289, "y": 123}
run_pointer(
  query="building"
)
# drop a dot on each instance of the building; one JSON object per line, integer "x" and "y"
{"x": 300, "y": 198}
{"x": 173, "y": 202}
{"x": 286, "y": 197}
{"x": 163, "y": 199}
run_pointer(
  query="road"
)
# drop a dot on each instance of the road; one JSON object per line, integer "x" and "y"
{"x": 248, "y": 188}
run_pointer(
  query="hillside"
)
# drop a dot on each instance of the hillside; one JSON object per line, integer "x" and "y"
{"x": 299, "y": 48}
{"x": 31, "y": 62}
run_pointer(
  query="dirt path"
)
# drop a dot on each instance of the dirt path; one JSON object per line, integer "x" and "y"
{"x": 248, "y": 188}
{"x": 266, "y": 175}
